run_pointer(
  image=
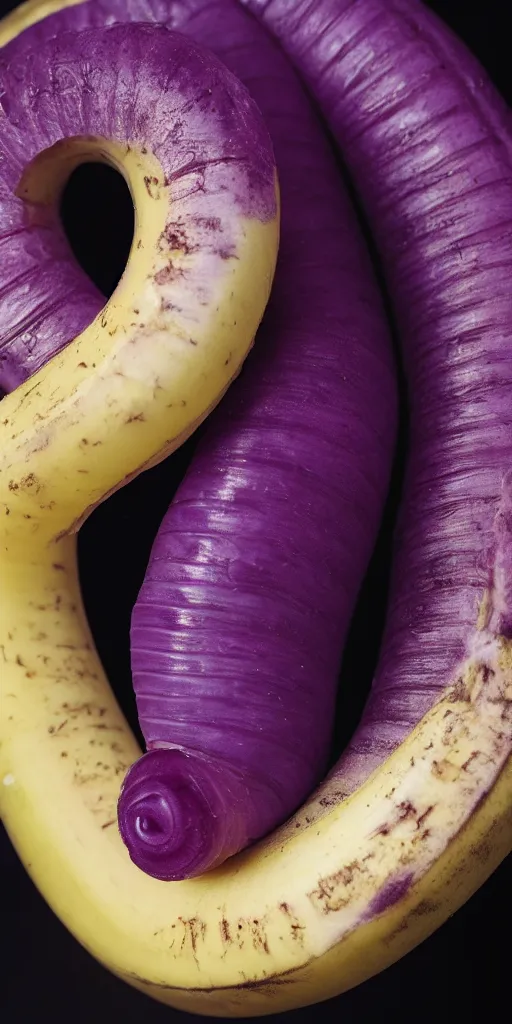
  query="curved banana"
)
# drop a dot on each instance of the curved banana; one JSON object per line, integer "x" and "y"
{"x": 27, "y": 14}
{"x": 336, "y": 895}
{"x": 345, "y": 888}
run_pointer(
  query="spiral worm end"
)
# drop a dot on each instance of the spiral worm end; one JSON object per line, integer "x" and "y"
{"x": 179, "y": 816}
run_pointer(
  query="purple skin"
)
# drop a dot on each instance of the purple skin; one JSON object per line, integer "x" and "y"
{"x": 181, "y": 104}
{"x": 238, "y": 629}
{"x": 427, "y": 141}
{"x": 391, "y": 893}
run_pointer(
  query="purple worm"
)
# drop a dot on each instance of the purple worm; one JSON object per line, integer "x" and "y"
{"x": 427, "y": 140}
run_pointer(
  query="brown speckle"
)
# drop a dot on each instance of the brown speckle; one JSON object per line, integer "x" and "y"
{"x": 138, "y": 417}
{"x": 166, "y": 306}
{"x": 406, "y": 809}
{"x": 332, "y": 894}
{"x": 460, "y": 692}
{"x": 259, "y": 936}
{"x": 174, "y": 237}
{"x": 482, "y": 851}
{"x": 41, "y": 444}
{"x": 227, "y": 253}
{"x": 445, "y": 770}
{"x": 296, "y": 929}
{"x": 168, "y": 274}
{"x": 195, "y": 929}
{"x": 424, "y": 907}
{"x": 424, "y": 816}
{"x": 151, "y": 184}
{"x": 27, "y": 393}
{"x": 30, "y": 482}
{"x": 332, "y": 798}
{"x": 472, "y": 757}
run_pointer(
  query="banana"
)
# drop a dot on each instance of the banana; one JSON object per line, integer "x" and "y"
{"x": 333, "y": 897}
{"x": 27, "y": 14}
{"x": 341, "y": 891}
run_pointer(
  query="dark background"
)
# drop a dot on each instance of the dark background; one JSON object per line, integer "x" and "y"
{"x": 44, "y": 973}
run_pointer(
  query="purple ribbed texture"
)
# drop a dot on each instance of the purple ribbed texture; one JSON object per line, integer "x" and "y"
{"x": 238, "y": 630}
{"x": 427, "y": 140}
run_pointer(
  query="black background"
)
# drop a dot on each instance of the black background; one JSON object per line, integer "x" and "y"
{"x": 461, "y": 971}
